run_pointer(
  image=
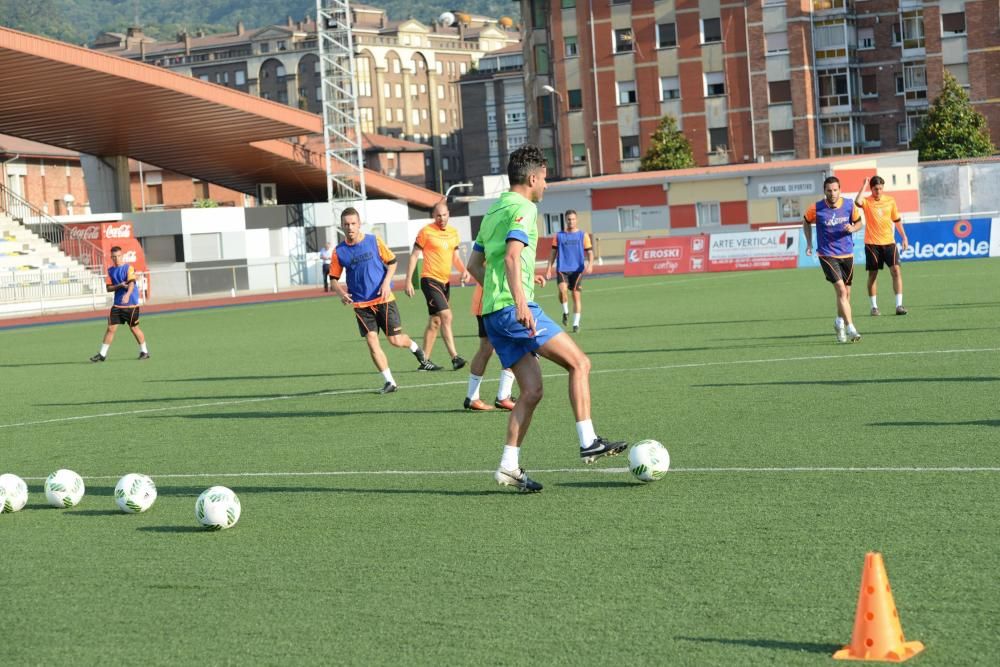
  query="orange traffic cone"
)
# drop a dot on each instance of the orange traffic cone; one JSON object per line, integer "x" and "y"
{"x": 878, "y": 635}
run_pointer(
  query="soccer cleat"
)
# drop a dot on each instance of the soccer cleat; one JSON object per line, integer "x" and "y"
{"x": 98, "y": 357}
{"x": 853, "y": 335}
{"x": 388, "y": 388}
{"x": 565, "y": 319}
{"x": 517, "y": 478}
{"x": 601, "y": 447}
{"x": 900, "y": 310}
{"x": 504, "y": 403}
{"x": 841, "y": 335}
{"x": 457, "y": 362}
{"x": 476, "y": 405}
{"x": 875, "y": 311}
{"x": 428, "y": 365}
{"x": 576, "y": 328}
{"x": 143, "y": 356}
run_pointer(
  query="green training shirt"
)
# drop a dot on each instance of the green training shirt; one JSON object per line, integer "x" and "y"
{"x": 511, "y": 217}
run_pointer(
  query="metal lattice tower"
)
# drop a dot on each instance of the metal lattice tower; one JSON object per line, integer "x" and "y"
{"x": 345, "y": 174}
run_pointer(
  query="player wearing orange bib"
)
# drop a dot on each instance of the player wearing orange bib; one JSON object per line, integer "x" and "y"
{"x": 881, "y": 215}
{"x": 438, "y": 244}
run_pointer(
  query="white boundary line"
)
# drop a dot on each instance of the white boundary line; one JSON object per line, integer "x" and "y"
{"x": 342, "y": 392}
{"x": 599, "y": 471}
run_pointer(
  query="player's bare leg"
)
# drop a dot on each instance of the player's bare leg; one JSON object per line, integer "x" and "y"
{"x": 897, "y": 287}
{"x": 529, "y": 378}
{"x": 375, "y": 349}
{"x": 564, "y": 302}
{"x": 446, "y": 333}
{"x": 843, "y": 292}
{"x": 140, "y": 337}
{"x": 431, "y": 332}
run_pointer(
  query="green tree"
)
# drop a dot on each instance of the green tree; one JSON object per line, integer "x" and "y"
{"x": 952, "y": 129}
{"x": 670, "y": 148}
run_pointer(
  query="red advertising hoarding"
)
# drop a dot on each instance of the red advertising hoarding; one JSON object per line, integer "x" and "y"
{"x": 666, "y": 255}
{"x": 106, "y": 235}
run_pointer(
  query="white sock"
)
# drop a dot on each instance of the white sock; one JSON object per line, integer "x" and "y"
{"x": 565, "y": 306}
{"x": 874, "y": 301}
{"x": 576, "y": 319}
{"x": 585, "y": 430}
{"x": 850, "y": 327}
{"x": 413, "y": 346}
{"x": 899, "y": 300}
{"x": 838, "y": 322}
{"x": 104, "y": 349}
{"x": 506, "y": 383}
{"x": 474, "y": 382}
{"x": 143, "y": 348}
{"x": 509, "y": 460}
{"x": 387, "y": 374}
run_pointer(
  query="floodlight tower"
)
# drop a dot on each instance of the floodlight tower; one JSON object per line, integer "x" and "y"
{"x": 345, "y": 174}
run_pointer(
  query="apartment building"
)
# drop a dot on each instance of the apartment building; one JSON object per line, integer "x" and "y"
{"x": 407, "y": 71}
{"x": 748, "y": 81}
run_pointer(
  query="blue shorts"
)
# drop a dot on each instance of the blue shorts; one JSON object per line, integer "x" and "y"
{"x": 511, "y": 339}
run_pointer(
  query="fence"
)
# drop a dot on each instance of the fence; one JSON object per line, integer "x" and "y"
{"x": 188, "y": 283}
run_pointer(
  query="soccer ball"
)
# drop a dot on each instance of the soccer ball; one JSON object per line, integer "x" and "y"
{"x": 217, "y": 508}
{"x": 13, "y": 493}
{"x": 135, "y": 493}
{"x": 648, "y": 460}
{"x": 64, "y": 488}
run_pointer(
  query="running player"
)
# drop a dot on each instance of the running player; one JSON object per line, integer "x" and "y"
{"x": 437, "y": 243}
{"x": 836, "y": 219}
{"x": 503, "y": 262}
{"x": 367, "y": 263}
{"x": 880, "y": 244}
{"x": 125, "y": 308}
{"x": 569, "y": 250}
{"x": 504, "y": 401}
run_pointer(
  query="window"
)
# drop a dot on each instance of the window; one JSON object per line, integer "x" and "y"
{"x": 575, "y": 98}
{"x": 830, "y": 38}
{"x": 670, "y": 88}
{"x": 241, "y": 77}
{"x": 630, "y": 148}
{"x": 913, "y": 29}
{"x": 915, "y": 81}
{"x": 423, "y": 114}
{"x": 872, "y": 134}
{"x": 415, "y": 116}
{"x": 442, "y": 116}
{"x": 283, "y": 96}
{"x": 626, "y": 92}
{"x": 363, "y": 76}
{"x": 953, "y": 23}
{"x": 200, "y": 190}
{"x": 628, "y": 219}
{"x": 779, "y": 91}
{"x": 280, "y": 71}
{"x": 708, "y": 213}
{"x": 666, "y": 35}
{"x": 579, "y": 153}
{"x": 388, "y": 115}
{"x": 715, "y": 83}
{"x": 866, "y": 38}
{"x": 835, "y": 136}
{"x": 718, "y": 139}
{"x": 553, "y": 223}
{"x": 399, "y": 90}
{"x": 541, "y": 59}
{"x": 367, "y": 117}
{"x": 544, "y": 109}
{"x": 623, "y": 40}
{"x": 776, "y": 42}
{"x": 869, "y": 85}
{"x": 265, "y": 47}
{"x": 512, "y": 117}
{"x": 413, "y": 90}
{"x": 569, "y": 47}
{"x": 463, "y": 67}
{"x": 782, "y": 141}
{"x": 399, "y": 115}
{"x": 711, "y": 30}
{"x": 440, "y": 89}
{"x": 833, "y": 88}
{"x": 568, "y": 4}
{"x": 395, "y": 66}
{"x": 899, "y": 84}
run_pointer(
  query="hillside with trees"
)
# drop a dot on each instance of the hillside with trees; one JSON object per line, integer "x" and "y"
{"x": 79, "y": 21}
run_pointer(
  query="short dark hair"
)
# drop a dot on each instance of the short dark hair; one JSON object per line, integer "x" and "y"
{"x": 571, "y": 211}
{"x": 830, "y": 179}
{"x": 350, "y": 210}
{"x": 523, "y": 162}
{"x": 876, "y": 180}
{"x": 116, "y": 248}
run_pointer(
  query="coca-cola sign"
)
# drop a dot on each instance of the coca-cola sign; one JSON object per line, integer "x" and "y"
{"x": 122, "y": 231}
{"x": 91, "y": 233}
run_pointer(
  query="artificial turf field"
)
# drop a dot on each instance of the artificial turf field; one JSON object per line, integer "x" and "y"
{"x": 373, "y": 533}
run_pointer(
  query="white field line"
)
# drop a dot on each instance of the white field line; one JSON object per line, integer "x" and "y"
{"x": 598, "y": 471}
{"x": 342, "y": 392}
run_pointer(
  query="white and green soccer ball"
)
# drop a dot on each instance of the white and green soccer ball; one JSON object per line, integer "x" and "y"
{"x": 64, "y": 488}
{"x": 648, "y": 460}
{"x": 13, "y": 493}
{"x": 135, "y": 493}
{"x": 217, "y": 508}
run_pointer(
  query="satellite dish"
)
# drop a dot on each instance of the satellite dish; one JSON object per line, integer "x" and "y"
{"x": 447, "y": 19}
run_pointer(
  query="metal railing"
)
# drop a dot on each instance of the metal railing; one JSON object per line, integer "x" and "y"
{"x": 41, "y": 285}
{"x": 51, "y": 230}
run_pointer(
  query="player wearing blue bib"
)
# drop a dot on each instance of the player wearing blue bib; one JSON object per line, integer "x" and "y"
{"x": 836, "y": 219}
{"x": 573, "y": 256}
{"x": 369, "y": 267}
{"x": 503, "y": 262}
{"x": 125, "y": 308}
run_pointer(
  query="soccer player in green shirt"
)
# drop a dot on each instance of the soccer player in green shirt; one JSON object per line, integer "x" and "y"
{"x": 503, "y": 262}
